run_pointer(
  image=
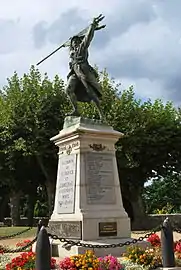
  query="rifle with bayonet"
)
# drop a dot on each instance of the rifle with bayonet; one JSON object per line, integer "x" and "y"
{"x": 67, "y": 43}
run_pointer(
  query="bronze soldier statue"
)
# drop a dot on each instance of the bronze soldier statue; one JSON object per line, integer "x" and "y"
{"x": 82, "y": 82}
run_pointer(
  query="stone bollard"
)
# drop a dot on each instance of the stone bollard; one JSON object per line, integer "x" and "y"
{"x": 167, "y": 245}
{"x": 43, "y": 252}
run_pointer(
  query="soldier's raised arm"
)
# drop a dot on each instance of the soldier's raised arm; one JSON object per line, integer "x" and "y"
{"x": 90, "y": 33}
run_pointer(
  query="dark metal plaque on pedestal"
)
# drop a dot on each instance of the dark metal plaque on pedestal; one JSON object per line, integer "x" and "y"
{"x": 66, "y": 229}
{"x": 108, "y": 229}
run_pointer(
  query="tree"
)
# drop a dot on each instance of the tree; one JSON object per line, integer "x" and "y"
{"x": 163, "y": 193}
{"x": 33, "y": 110}
{"x": 151, "y": 145}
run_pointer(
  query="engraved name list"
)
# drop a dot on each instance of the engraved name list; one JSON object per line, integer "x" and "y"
{"x": 66, "y": 184}
{"x": 99, "y": 179}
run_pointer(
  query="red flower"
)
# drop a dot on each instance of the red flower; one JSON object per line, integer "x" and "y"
{"x": 24, "y": 243}
{"x": 154, "y": 239}
{"x": 26, "y": 260}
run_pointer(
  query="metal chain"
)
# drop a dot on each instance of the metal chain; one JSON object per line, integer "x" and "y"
{"x": 177, "y": 230}
{"x": 8, "y": 250}
{"x": 175, "y": 227}
{"x": 80, "y": 244}
{"x": 15, "y": 234}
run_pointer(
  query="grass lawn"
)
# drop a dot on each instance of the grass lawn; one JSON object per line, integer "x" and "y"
{"x": 5, "y": 231}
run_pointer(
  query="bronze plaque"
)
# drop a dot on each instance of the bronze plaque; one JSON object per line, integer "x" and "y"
{"x": 108, "y": 229}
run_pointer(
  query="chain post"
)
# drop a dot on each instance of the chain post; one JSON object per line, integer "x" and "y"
{"x": 39, "y": 226}
{"x": 167, "y": 244}
{"x": 43, "y": 251}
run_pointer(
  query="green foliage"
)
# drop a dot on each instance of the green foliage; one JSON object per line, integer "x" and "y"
{"x": 163, "y": 196}
{"x": 167, "y": 209}
{"x": 151, "y": 145}
{"x": 32, "y": 110}
{"x": 41, "y": 205}
{"x": 41, "y": 209}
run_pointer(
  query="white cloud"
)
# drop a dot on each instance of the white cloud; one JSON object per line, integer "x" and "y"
{"x": 17, "y": 19}
{"x": 141, "y": 44}
{"x": 144, "y": 87}
{"x": 32, "y": 11}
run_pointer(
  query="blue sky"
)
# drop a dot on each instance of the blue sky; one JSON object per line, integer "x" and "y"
{"x": 140, "y": 46}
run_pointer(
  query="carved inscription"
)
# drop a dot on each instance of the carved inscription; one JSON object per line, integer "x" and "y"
{"x": 67, "y": 148}
{"x": 66, "y": 184}
{"x": 67, "y": 229}
{"x": 99, "y": 179}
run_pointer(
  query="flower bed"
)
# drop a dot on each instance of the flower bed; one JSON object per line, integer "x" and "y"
{"x": 134, "y": 257}
{"x": 25, "y": 261}
{"x": 4, "y": 259}
{"x": 24, "y": 243}
{"x": 147, "y": 257}
{"x": 151, "y": 257}
{"x": 89, "y": 261}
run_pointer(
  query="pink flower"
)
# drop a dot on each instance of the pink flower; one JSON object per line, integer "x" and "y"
{"x": 177, "y": 246}
{"x": 110, "y": 262}
{"x": 66, "y": 263}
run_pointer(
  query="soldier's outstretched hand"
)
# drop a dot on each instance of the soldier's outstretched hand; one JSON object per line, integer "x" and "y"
{"x": 98, "y": 19}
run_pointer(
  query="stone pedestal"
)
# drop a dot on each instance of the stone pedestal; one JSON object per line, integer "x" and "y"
{"x": 88, "y": 202}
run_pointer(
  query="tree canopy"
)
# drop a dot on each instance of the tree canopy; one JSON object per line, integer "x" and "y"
{"x": 163, "y": 195}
